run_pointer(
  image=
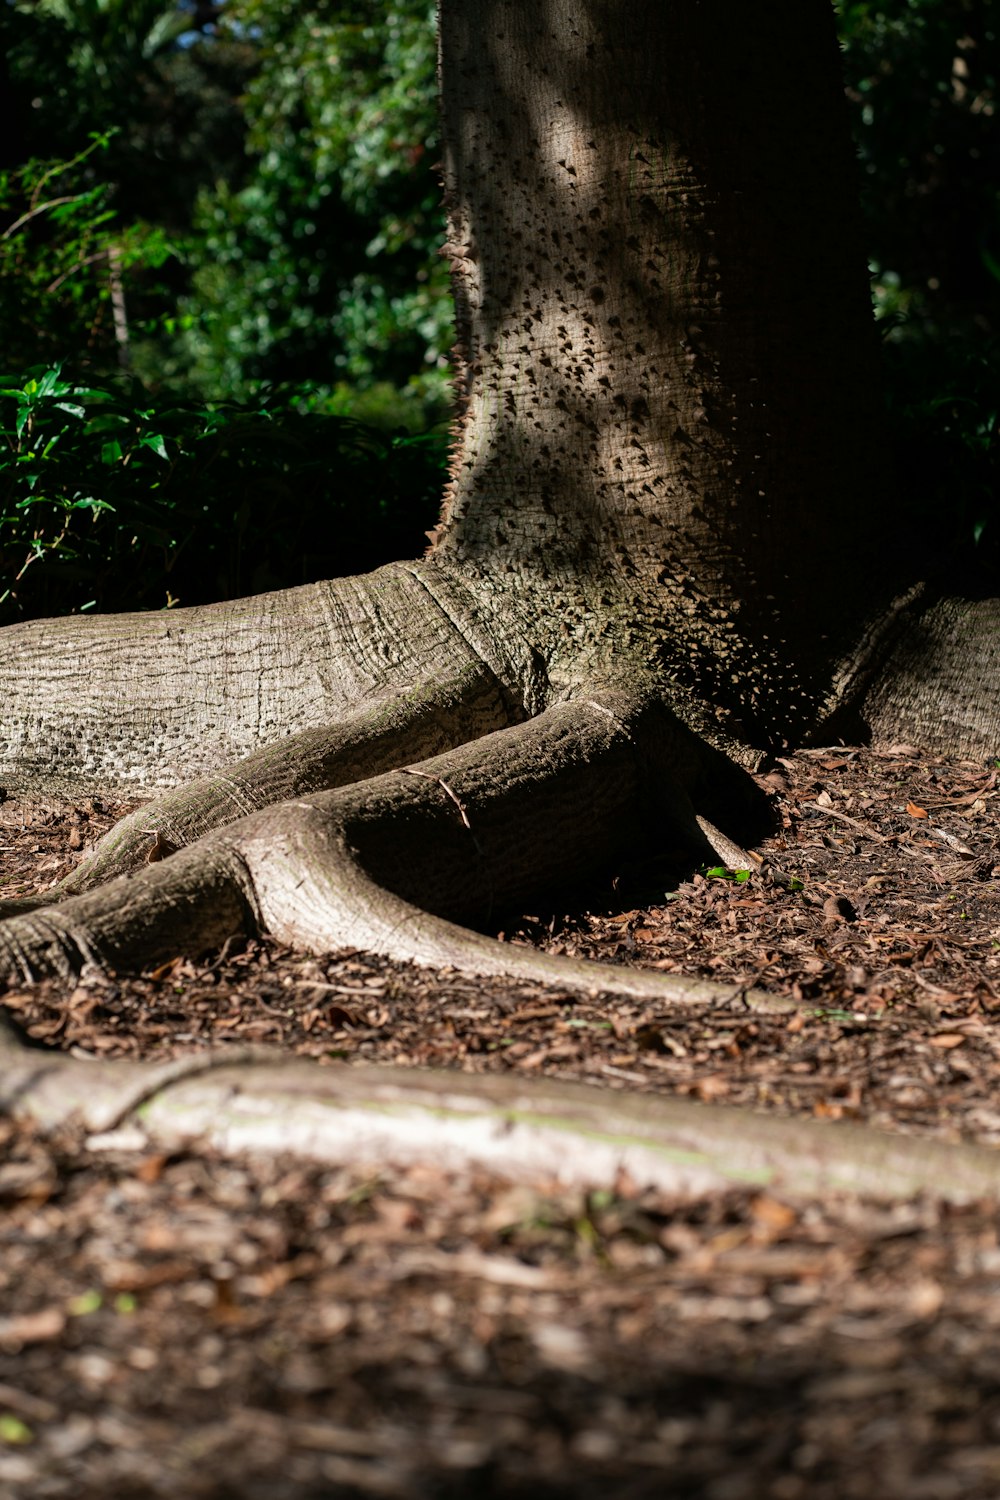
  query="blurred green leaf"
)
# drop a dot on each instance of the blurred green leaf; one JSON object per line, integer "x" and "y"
{"x": 13, "y": 1431}
{"x": 253, "y": 496}
{"x": 155, "y": 441}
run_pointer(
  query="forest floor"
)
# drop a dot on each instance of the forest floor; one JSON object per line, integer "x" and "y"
{"x": 253, "y": 1329}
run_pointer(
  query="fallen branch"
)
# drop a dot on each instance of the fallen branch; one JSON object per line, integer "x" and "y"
{"x": 252, "y": 1100}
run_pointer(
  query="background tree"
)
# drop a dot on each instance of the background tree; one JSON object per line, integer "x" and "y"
{"x": 273, "y": 116}
{"x": 134, "y": 72}
{"x": 921, "y": 80}
{"x": 323, "y": 268}
{"x": 115, "y": 495}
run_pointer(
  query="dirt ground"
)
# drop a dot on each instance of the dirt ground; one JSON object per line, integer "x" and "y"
{"x": 197, "y": 1326}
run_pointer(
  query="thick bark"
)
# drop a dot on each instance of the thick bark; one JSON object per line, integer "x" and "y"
{"x": 523, "y": 1127}
{"x": 939, "y": 686}
{"x": 140, "y": 702}
{"x": 657, "y": 400}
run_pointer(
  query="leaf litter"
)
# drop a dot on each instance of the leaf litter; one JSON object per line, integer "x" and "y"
{"x": 257, "y": 1327}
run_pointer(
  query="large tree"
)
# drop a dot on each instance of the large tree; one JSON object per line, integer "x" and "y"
{"x": 669, "y": 543}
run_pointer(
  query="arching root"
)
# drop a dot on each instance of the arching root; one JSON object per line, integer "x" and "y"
{"x": 387, "y": 864}
{"x": 426, "y": 719}
{"x": 393, "y": 863}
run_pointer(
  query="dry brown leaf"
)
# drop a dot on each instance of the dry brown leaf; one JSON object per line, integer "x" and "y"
{"x": 143, "y": 1276}
{"x": 915, "y": 811}
{"x": 772, "y": 1214}
{"x": 924, "y": 1298}
{"x": 33, "y": 1328}
{"x": 714, "y": 1086}
{"x": 150, "y": 1169}
{"x": 953, "y": 841}
{"x": 839, "y": 909}
{"x": 163, "y": 971}
{"x": 161, "y": 847}
{"x": 15, "y": 1000}
{"x": 34, "y": 1180}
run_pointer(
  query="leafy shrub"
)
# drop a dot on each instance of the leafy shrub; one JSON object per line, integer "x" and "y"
{"x": 65, "y": 259}
{"x": 944, "y": 423}
{"x": 110, "y": 500}
{"x": 922, "y": 80}
{"x": 322, "y": 261}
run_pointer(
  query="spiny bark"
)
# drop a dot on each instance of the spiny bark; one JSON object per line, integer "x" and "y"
{"x": 656, "y": 398}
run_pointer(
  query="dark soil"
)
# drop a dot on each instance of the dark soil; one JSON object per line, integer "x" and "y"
{"x": 195, "y": 1326}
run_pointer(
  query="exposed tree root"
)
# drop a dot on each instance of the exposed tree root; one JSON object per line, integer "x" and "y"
{"x": 390, "y": 864}
{"x": 426, "y": 720}
{"x": 245, "y": 1100}
{"x": 349, "y": 837}
{"x": 149, "y": 701}
{"x": 938, "y": 683}
{"x": 649, "y": 485}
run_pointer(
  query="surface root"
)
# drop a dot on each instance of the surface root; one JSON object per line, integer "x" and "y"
{"x": 394, "y": 863}
{"x": 248, "y": 1100}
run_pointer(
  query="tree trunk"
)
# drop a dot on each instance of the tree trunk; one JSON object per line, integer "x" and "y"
{"x": 669, "y": 532}
{"x": 668, "y": 382}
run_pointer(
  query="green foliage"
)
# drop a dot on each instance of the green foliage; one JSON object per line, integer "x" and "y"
{"x": 286, "y": 153}
{"x": 62, "y": 250}
{"x": 323, "y": 264}
{"x": 110, "y": 40}
{"x": 111, "y": 500}
{"x": 922, "y": 77}
{"x": 266, "y": 195}
{"x": 944, "y": 422}
{"x": 13, "y": 1431}
{"x": 117, "y": 66}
